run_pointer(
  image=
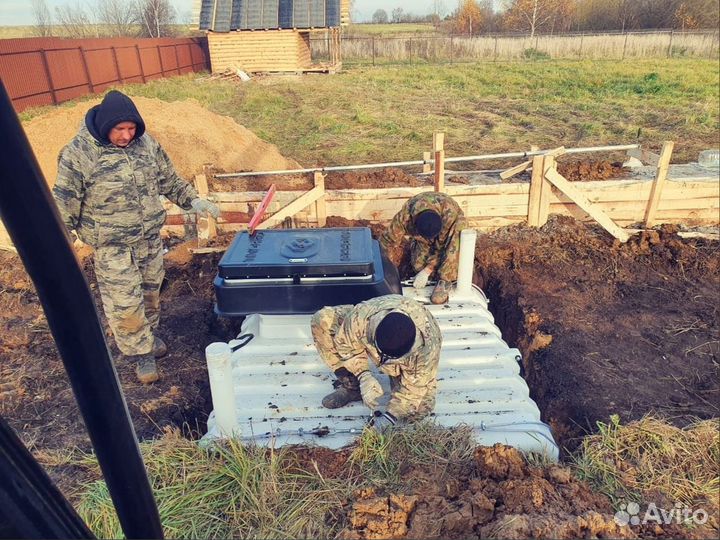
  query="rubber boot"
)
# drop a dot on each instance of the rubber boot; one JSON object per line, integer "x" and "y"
{"x": 159, "y": 348}
{"x": 347, "y": 390}
{"x": 441, "y": 292}
{"x": 145, "y": 368}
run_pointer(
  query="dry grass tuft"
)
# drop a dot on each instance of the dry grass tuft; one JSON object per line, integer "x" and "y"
{"x": 650, "y": 457}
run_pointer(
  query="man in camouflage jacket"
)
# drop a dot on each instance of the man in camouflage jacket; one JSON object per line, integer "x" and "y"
{"x": 399, "y": 336}
{"x": 433, "y": 221}
{"x": 110, "y": 179}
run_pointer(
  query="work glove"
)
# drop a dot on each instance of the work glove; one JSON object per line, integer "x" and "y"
{"x": 380, "y": 421}
{"x": 370, "y": 389}
{"x": 203, "y": 206}
{"x": 422, "y": 277}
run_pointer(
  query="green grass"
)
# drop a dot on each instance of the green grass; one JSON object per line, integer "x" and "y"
{"x": 386, "y": 30}
{"x": 241, "y": 491}
{"x": 379, "y": 114}
{"x": 366, "y": 114}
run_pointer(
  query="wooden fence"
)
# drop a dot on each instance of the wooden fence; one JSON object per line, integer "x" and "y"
{"x": 48, "y": 71}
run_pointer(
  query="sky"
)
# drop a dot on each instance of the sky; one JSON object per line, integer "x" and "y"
{"x": 19, "y": 12}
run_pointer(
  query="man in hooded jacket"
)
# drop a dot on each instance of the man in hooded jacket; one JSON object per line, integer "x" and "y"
{"x": 110, "y": 179}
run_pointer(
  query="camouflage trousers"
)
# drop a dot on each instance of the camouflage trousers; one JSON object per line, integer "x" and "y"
{"x": 324, "y": 325}
{"x": 447, "y": 268}
{"x": 129, "y": 279}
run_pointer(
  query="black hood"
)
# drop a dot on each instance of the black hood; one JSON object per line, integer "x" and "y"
{"x": 115, "y": 108}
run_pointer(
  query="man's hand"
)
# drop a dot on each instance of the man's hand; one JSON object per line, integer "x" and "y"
{"x": 203, "y": 206}
{"x": 370, "y": 389}
{"x": 422, "y": 277}
{"x": 380, "y": 421}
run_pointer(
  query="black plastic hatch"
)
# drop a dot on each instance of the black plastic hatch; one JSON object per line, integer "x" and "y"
{"x": 342, "y": 252}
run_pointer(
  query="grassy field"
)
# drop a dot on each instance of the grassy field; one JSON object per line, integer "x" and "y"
{"x": 384, "y": 30}
{"x": 28, "y": 31}
{"x": 367, "y": 115}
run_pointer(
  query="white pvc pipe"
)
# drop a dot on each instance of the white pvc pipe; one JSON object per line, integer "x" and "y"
{"x": 222, "y": 389}
{"x": 467, "y": 261}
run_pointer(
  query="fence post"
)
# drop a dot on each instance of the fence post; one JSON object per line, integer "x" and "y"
{"x": 46, "y": 67}
{"x": 582, "y": 37}
{"x": 411, "y": 51}
{"x": 439, "y": 151}
{"x": 669, "y": 52}
{"x": 142, "y": 69}
{"x": 452, "y": 56}
{"x": 373, "y": 49}
{"x": 625, "y": 46}
{"x": 117, "y": 64}
{"x": 162, "y": 69}
{"x": 495, "y": 52}
{"x": 87, "y": 70}
{"x": 177, "y": 59}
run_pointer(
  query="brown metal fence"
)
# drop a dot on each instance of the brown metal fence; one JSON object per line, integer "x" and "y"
{"x": 48, "y": 71}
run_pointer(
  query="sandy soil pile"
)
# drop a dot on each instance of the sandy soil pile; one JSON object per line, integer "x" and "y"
{"x": 190, "y": 134}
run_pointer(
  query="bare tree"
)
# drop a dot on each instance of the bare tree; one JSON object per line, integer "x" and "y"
{"x": 397, "y": 15}
{"x": 156, "y": 17}
{"x": 74, "y": 21}
{"x": 118, "y": 16}
{"x": 534, "y": 15}
{"x": 41, "y": 16}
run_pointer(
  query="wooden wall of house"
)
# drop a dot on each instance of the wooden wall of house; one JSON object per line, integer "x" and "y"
{"x": 259, "y": 51}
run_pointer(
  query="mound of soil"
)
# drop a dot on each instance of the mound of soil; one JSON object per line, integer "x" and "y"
{"x": 190, "y": 134}
{"x": 608, "y": 328}
{"x": 588, "y": 170}
{"x": 375, "y": 179}
{"x": 498, "y": 497}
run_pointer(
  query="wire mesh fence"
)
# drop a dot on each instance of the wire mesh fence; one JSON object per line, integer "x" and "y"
{"x": 376, "y": 50}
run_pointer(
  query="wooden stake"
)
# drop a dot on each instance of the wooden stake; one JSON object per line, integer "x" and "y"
{"x": 206, "y": 225}
{"x": 579, "y": 199}
{"x": 517, "y": 169}
{"x": 291, "y": 209}
{"x": 439, "y": 150}
{"x": 320, "y": 208}
{"x": 658, "y": 184}
{"x": 427, "y": 156}
{"x": 536, "y": 181}
{"x": 545, "y": 190}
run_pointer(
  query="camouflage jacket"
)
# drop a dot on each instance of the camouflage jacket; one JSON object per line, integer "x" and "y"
{"x": 417, "y": 370}
{"x": 111, "y": 195}
{"x": 447, "y": 242}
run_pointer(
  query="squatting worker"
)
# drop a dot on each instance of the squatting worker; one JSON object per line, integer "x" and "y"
{"x": 110, "y": 179}
{"x": 433, "y": 222}
{"x": 398, "y": 335}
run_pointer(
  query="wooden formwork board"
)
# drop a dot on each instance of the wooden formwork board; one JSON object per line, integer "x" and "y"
{"x": 693, "y": 202}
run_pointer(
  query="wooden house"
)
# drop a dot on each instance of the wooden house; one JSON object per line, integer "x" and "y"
{"x": 273, "y": 35}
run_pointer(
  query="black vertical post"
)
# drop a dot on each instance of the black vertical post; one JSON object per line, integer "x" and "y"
{"x": 32, "y": 220}
{"x": 373, "y": 49}
{"x": 117, "y": 65}
{"x": 139, "y": 59}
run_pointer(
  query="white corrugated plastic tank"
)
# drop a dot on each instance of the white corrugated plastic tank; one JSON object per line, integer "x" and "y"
{"x": 278, "y": 380}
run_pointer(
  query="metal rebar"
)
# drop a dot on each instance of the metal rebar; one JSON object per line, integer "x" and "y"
{"x": 484, "y": 157}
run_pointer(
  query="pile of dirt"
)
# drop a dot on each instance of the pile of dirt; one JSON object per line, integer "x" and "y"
{"x": 500, "y": 497}
{"x": 588, "y": 170}
{"x": 376, "y": 179}
{"x": 190, "y": 134}
{"x": 608, "y": 328}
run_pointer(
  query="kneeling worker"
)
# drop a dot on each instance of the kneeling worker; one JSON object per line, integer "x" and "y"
{"x": 433, "y": 221}
{"x": 398, "y": 335}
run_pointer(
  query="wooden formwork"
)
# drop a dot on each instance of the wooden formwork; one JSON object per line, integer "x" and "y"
{"x": 674, "y": 194}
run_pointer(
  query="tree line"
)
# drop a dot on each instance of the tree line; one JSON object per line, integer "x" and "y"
{"x": 105, "y": 18}
{"x": 554, "y": 16}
